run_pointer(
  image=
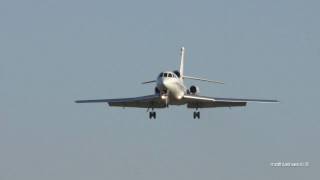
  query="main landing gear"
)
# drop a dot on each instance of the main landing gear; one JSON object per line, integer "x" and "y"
{"x": 152, "y": 114}
{"x": 196, "y": 115}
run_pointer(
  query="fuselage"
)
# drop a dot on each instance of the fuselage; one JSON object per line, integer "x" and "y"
{"x": 171, "y": 87}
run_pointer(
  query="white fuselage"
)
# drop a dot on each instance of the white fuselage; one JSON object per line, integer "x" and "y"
{"x": 171, "y": 88}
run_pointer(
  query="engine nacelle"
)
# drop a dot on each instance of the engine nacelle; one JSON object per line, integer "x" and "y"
{"x": 177, "y": 73}
{"x": 156, "y": 90}
{"x": 194, "y": 89}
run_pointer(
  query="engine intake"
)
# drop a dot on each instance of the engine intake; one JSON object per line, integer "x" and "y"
{"x": 177, "y": 73}
{"x": 194, "y": 89}
{"x": 156, "y": 90}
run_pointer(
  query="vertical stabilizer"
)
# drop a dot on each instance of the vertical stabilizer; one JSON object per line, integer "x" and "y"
{"x": 182, "y": 62}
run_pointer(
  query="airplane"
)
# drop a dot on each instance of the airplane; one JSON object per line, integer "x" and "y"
{"x": 171, "y": 90}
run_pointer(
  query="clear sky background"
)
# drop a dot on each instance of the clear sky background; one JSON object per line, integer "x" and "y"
{"x": 55, "y": 52}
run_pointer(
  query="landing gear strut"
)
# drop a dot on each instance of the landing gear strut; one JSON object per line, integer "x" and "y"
{"x": 196, "y": 114}
{"x": 152, "y": 114}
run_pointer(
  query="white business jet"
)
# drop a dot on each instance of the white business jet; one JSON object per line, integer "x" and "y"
{"x": 170, "y": 90}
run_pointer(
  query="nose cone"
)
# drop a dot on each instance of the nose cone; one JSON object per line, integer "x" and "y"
{"x": 162, "y": 82}
{"x": 174, "y": 90}
{"x": 165, "y": 82}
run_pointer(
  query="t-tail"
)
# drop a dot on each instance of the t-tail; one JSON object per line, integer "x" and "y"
{"x": 180, "y": 73}
{"x": 182, "y": 76}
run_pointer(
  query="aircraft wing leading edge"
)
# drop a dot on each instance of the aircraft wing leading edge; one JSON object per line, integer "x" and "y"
{"x": 194, "y": 101}
{"x": 150, "y": 101}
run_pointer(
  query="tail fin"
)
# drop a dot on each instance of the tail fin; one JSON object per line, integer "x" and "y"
{"x": 182, "y": 62}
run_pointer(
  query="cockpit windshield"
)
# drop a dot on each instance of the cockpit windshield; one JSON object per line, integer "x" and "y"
{"x": 168, "y": 74}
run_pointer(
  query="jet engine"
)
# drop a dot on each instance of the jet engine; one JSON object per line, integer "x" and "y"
{"x": 194, "y": 89}
{"x": 156, "y": 90}
{"x": 177, "y": 73}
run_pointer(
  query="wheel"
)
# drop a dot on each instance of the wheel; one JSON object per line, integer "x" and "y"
{"x": 196, "y": 114}
{"x": 152, "y": 115}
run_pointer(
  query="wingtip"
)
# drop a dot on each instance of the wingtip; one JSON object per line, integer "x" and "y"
{"x": 273, "y": 101}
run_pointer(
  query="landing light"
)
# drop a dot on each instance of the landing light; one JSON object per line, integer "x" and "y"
{"x": 163, "y": 97}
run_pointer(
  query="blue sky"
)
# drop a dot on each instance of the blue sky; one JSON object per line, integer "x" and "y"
{"x": 54, "y": 52}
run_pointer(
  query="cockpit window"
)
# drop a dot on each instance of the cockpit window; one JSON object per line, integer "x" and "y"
{"x": 165, "y": 74}
{"x": 169, "y": 75}
{"x": 161, "y": 74}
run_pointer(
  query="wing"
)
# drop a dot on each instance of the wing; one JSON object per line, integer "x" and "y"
{"x": 150, "y": 101}
{"x": 194, "y": 101}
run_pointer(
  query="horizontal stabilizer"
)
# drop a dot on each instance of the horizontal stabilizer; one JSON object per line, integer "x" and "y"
{"x": 201, "y": 79}
{"x": 146, "y": 82}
